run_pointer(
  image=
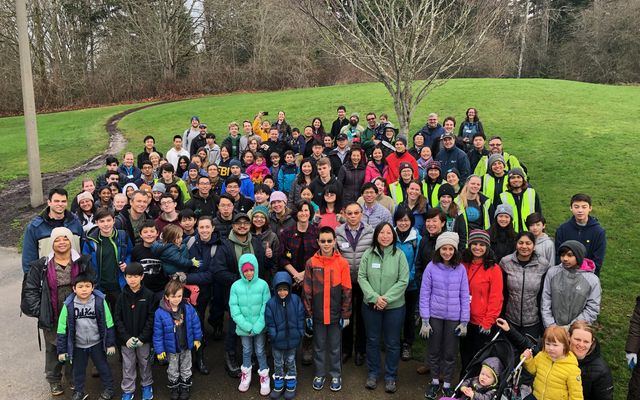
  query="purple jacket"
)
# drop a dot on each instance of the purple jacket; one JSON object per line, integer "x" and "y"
{"x": 444, "y": 293}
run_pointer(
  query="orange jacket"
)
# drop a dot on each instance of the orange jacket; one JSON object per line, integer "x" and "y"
{"x": 327, "y": 288}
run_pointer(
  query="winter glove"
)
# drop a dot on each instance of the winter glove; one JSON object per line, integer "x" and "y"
{"x": 64, "y": 357}
{"x": 197, "y": 344}
{"x": 138, "y": 343}
{"x": 111, "y": 350}
{"x": 195, "y": 262}
{"x": 461, "y": 329}
{"x": 308, "y": 330}
{"x": 131, "y": 343}
{"x": 344, "y": 322}
{"x": 632, "y": 360}
{"x": 181, "y": 276}
{"x": 162, "y": 356}
{"x": 426, "y": 329}
{"x": 484, "y": 331}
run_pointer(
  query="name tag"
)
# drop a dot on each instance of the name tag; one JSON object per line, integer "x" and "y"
{"x": 375, "y": 266}
{"x": 344, "y": 245}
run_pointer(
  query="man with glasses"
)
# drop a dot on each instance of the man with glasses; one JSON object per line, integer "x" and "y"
{"x": 432, "y": 131}
{"x": 495, "y": 147}
{"x": 222, "y": 221}
{"x": 353, "y": 238}
{"x": 368, "y": 136}
{"x": 169, "y": 215}
{"x": 203, "y": 202}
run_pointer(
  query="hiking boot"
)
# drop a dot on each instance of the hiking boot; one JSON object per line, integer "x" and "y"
{"x": 185, "y": 389}
{"x": 406, "y": 352}
{"x": 79, "y": 396}
{"x": 56, "y": 389}
{"x": 371, "y": 383}
{"x": 174, "y": 390}
{"x": 432, "y": 392}
{"x": 336, "y": 384}
{"x": 107, "y": 394}
{"x": 278, "y": 387}
{"x": 265, "y": 382}
{"x": 318, "y": 382}
{"x": 245, "y": 379}
{"x": 390, "y": 386}
{"x": 147, "y": 392}
{"x": 231, "y": 365}
{"x": 127, "y": 396}
{"x": 200, "y": 364}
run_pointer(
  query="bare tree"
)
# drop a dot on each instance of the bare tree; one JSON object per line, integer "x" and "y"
{"x": 398, "y": 42}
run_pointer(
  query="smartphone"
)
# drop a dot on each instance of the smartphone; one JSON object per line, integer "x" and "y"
{"x": 265, "y": 113}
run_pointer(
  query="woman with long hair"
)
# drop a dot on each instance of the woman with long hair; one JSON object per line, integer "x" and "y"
{"x": 318, "y": 129}
{"x": 352, "y": 174}
{"x": 503, "y": 236}
{"x": 469, "y": 127}
{"x": 305, "y": 176}
{"x": 183, "y": 166}
{"x": 377, "y": 166}
{"x": 416, "y": 203}
{"x": 329, "y": 213}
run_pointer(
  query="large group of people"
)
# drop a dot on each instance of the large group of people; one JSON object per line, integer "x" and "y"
{"x": 331, "y": 245}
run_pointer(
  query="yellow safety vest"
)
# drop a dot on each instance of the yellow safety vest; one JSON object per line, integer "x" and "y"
{"x": 489, "y": 185}
{"x": 395, "y": 190}
{"x": 433, "y": 200}
{"x": 528, "y": 207}
{"x": 511, "y": 162}
{"x": 485, "y": 210}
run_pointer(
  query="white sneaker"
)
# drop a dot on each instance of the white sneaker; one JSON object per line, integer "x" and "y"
{"x": 265, "y": 382}
{"x": 245, "y": 379}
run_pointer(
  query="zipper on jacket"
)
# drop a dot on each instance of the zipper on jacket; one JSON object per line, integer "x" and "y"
{"x": 524, "y": 272}
{"x": 546, "y": 379}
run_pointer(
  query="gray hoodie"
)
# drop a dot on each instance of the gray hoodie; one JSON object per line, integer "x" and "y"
{"x": 546, "y": 248}
{"x": 87, "y": 332}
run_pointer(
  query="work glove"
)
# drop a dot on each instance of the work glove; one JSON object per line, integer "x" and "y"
{"x": 137, "y": 343}
{"x": 461, "y": 329}
{"x": 64, "y": 357}
{"x": 308, "y": 330}
{"x": 195, "y": 262}
{"x": 484, "y": 331}
{"x": 426, "y": 330}
{"x": 181, "y": 276}
{"x": 131, "y": 343}
{"x": 162, "y": 356}
{"x": 197, "y": 344}
{"x": 632, "y": 360}
{"x": 111, "y": 350}
{"x": 344, "y": 322}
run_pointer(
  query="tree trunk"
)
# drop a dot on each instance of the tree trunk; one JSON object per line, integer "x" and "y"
{"x": 523, "y": 39}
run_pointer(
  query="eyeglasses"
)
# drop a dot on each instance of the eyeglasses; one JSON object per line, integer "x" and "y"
{"x": 244, "y": 223}
{"x": 495, "y": 144}
{"x": 325, "y": 241}
{"x": 371, "y": 119}
{"x": 353, "y": 212}
{"x": 164, "y": 203}
{"x": 329, "y": 194}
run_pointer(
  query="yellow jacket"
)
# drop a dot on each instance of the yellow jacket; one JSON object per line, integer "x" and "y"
{"x": 559, "y": 380}
{"x": 257, "y": 129}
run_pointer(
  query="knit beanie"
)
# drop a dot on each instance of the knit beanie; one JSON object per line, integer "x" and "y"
{"x": 503, "y": 209}
{"x": 402, "y": 139}
{"x": 84, "y": 196}
{"x": 61, "y": 231}
{"x": 576, "y": 248}
{"x": 495, "y": 158}
{"x": 445, "y": 238}
{"x": 159, "y": 187}
{"x": 194, "y": 166}
{"x": 455, "y": 171}
{"x": 260, "y": 210}
{"x": 433, "y": 164}
{"x": 446, "y": 190}
{"x": 517, "y": 171}
{"x": 479, "y": 236}
{"x": 405, "y": 165}
{"x": 278, "y": 195}
{"x": 235, "y": 163}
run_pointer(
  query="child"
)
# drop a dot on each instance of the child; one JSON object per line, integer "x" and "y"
{"x": 258, "y": 170}
{"x": 483, "y": 386}
{"x": 188, "y": 222}
{"x": 571, "y": 289}
{"x": 536, "y": 224}
{"x": 327, "y": 302}
{"x": 134, "y": 324}
{"x": 307, "y": 194}
{"x": 284, "y": 317}
{"x": 288, "y": 172}
{"x": 444, "y": 309}
{"x": 555, "y": 368}
{"x": 247, "y": 300}
{"x": 155, "y": 279}
{"x": 269, "y": 181}
{"x": 172, "y": 253}
{"x": 297, "y": 143}
{"x": 85, "y": 330}
{"x": 275, "y": 163}
{"x": 176, "y": 330}
{"x": 261, "y": 194}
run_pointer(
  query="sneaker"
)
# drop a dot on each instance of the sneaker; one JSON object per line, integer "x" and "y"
{"x": 127, "y": 396}
{"x": 448, "y": 392}
{"x": 56, "y": 389}
{"x": 390, "y": 386}
{"x": 318, "y": 382}
{"x": 371, "y": 383}
{"x": 79, "y": 396}
{"x": 147, "y": 392}
{"x": 432, "y": 392}
{"x": 406, "y": 352}
{"x": 336, "y": 384}
{"x": 107, "y": 394}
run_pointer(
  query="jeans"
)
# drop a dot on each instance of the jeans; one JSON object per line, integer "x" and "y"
{"x": 257, "y": 342}
{"x": 282, "y": 359}
{"x": 385, "y": 324}
{"x": 79, "y": 365}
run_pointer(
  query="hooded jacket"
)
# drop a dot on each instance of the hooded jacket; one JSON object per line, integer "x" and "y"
{"x": 559, "y": 380}
{"x": 485, "y": 289}
{"x": 410, "y": 247}
{"x": 202, "y": 251}
{"x": 327, "y": 288}
{"x": 486, "y": 392}
{"x": 545, "y": 248}
{"x": 571, "y": 294}
{"x": 164, "y": 330}
{"x": 393, "y": 161}
{"x": 248, "y": 299}
{"x": 284, "y": 317}
{"x": 353, "y": 251}
{"x": 203, "y": 206}
{"x": 384, "y": 274}
{"x": 592, "y": 236}
{"x": 173, "y": 258}
{"x": 286, "y": 176}
{"x": 371, "y": 171}
{"x": 352, "y": 179}
{"x": 225, "y": 264}
{"x": 523, "y": 289}
{"x": 122, "y": 247}
{"x": 444, "y": 293}
{"x": 134, "y": 315}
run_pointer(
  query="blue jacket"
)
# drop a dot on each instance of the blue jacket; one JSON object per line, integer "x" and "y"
{"x": 123, "y": 247}
{"x": 410, "y": 248}
{"x": 286, "y": 176}
{"x": 247, "y": 300}
{"x": 284, "y": 318}
{"x": 67, "y": 324}
{"x": 36, "y": 241}
{"x": 592, "y": 236}
{"x": 132, "y": 174}
{"x": 246, "y": 186}
{"x": 173, "y": 259}
{"x": 164, "y": 334}
{"x": 201, "y": 250}
{"x": 454, "y": 158}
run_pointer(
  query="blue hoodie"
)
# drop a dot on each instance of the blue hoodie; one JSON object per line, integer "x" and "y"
{"x": 284, "y": 317}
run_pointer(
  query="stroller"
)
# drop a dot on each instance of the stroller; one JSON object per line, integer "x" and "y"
{"x": 508, "y": 381}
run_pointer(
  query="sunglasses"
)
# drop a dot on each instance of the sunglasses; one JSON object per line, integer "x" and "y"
{"x": 325, "y": 241}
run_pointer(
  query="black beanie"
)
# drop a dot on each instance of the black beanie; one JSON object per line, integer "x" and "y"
{"x": 576, "y": 248}
{"x": 446, "y": 189}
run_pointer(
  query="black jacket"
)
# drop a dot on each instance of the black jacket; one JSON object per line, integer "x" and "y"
{"x": 222, "y": 226}
{"x": 196, "y": 143}
{"x": 202, "y": 206}
{"x": 198, "y": 248}
{"x": 225, "y": 265}
{"x": 269, "y": 146}
{"x": 134, "y": 315}
{"x": 337, "y": 125}
{"x": 144, "y": 156}
{"x": 317, "y": 188}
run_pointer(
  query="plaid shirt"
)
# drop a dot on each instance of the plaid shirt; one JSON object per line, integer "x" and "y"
{"x": 290, "y": 244}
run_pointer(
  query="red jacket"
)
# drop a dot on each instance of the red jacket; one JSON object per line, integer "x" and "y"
{"x": 393, "y": 173}
{"x": 485, "y": 288}
{"x": 327, "y": 288}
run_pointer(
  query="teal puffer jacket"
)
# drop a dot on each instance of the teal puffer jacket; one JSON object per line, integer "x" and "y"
{"x": 248, "y": 299}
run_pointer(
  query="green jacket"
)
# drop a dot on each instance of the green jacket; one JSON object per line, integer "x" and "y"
{"x": 384, "y": 275}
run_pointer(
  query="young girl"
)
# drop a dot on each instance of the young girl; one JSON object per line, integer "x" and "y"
{"x": 557, "y": 376}
{"x": 247, "y": 302}
{"x": 444, "y": 309}
{"x": 377, "y": 166}
{"x": 171, "y": 252}
{"x": 545, "y": 247}
{"x": 258, "y": 170}
{"x": 330, "y": 208}
{"x": 307, "y": 194}
{"x": 453, "y": 179}
{"x": 176, "y": 331}
{"x": 503, "y": 236}
{"x": 225, "y": 159}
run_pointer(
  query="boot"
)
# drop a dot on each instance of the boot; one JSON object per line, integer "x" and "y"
{"x": 278, "y": 387}
{"x": 231, "y": 365}
{"x": 245, "y": 379}
{"x": 200, "y": 364}
{"x": 217, "y": 331}
{"x": 290, "y": 384}
{"x": 307, "y": 351}
{"x": 185, "y": 389}
{"x": 174, "y": 390}
{"x": 265, "y": 382}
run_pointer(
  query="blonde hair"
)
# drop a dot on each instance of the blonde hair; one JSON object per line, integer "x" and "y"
{"x": 557, "y": 334}
{"x": 170, "y": 233}
{"x": 464, "y": 192}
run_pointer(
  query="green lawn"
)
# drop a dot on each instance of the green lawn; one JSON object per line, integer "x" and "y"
{"x": 570, "y": 135}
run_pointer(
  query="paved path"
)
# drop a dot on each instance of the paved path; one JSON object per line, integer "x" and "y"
{"x": 22, "y": 365}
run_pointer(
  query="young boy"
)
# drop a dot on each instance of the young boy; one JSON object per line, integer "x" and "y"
{"x": 275, "y": 164}
{"x": 176, "y": 330}
{"x": 536, "y": 224}
{"x": 247, "y": 300}
{"x": 120, "y": 200}
{"x": 483, "y": 386}
{"x": 327, "y": 310}
{"x": 134, "y": 325}
{"x": 270, "y": 182}
{"x": 155, "y": 279}
{"x": 284, "y": 316}
{"x": 287, "y": 173}
{"x": 85, "y": 330}
{"x": 571, "y": 290}
{"x": 188, "y": 222}
{"x": 296, "y": 142}
{"x": 261, "y": 193}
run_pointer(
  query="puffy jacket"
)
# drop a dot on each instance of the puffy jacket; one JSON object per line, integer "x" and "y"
{"x": 39, "y": 297}
{"x": 286, "y": 176}
{"x": 523, "y": 288}
{"x": 202, "y": 250}
{"x": 592, "y": 236}
{"x": 353, "y": 252}
{"x": 248, "y": 299}
{"x": 134, "y": 315}
{"x": 597, "y": 382}
{"x": 454, "y": 158}
{"x": 444, "y": 293}
{"x": 67, "y": 325}
{"x": 384, "y": 274}
{"x": 393, "y": 173}
{"x": 545, "y": 248}
{"x": 571, "y": 294}
{"x": 559, "y": 380}
{"x": 371, "y": 171}
{"x": 122, "y": 247}
{"x": 246, "y": 186}
{"x": 173, "y": 258}
{"x": 284, "y": 317}
{"x": 327, "y": 288}
{"x": 37, "y": 242}
{"x": 410, "y": 247}
{"x": 164, "y": 334}
{"x": 352, "y": 179}
{"x": 485, "y": 289}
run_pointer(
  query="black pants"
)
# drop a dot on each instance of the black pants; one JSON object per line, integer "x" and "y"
{"x": 410, "y": 302}
{"x": 357, "y": 322}
{"x": 634, "y": 384}
{"x": 472, "y": 343}
{"x": 99, "y": 358}
{"x": 218, "y": 304}
{"x": 203, "y": 301}
{"x": 536, "y": 332}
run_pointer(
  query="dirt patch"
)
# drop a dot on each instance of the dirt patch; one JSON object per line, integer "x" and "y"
{"x": 16, "y": 211}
